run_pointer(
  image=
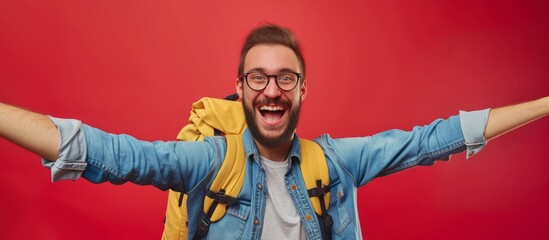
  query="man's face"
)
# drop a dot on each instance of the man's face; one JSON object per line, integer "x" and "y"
{"x": 271, "y": 113}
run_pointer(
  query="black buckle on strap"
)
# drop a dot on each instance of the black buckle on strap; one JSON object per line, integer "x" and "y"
{"x": 202, "y": 228}
{"x": 318, "y": 191}
{"x": 221, "y": 197}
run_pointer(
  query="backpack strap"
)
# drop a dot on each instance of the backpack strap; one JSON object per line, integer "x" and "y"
{"x": 317, "y": 180}
{"x": 226, "y": 186}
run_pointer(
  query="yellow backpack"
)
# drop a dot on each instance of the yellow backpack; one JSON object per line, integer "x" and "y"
{"x": 211, "y": 116}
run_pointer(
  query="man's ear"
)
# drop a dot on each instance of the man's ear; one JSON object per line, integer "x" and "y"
{"x": 303, "y": 90}
{"x": 239, "y": 87}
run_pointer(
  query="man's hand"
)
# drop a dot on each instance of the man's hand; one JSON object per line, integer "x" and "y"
{"x": 32, "y": 131}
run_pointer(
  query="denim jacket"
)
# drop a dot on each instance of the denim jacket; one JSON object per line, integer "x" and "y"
{"x": 190, "y": 167}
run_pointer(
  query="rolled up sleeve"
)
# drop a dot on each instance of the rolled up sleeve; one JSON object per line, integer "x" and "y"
{"x": 473, "y": 125}
{"x": 72, "y": 151}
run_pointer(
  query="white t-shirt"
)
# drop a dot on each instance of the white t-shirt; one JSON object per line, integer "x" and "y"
{"x": 281, "y": 219}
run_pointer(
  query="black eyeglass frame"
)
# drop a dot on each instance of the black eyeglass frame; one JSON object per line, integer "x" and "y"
{"x": 244, "y": 77}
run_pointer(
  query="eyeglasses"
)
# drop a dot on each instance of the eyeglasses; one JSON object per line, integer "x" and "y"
{"x": 258, "y": 81}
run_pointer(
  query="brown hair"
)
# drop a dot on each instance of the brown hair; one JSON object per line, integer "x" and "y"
{"x": 271, "y": 34}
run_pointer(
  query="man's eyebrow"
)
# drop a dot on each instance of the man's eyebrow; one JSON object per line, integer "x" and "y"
{"x": 257, "y": 70}
{"x": 263, "y": 70}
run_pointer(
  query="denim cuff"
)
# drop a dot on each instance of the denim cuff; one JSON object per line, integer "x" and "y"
{"x": 72, "y": 151}
{"x": 473, "y": 125}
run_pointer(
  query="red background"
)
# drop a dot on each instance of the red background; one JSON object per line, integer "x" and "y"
{"x": 136, "y": 66}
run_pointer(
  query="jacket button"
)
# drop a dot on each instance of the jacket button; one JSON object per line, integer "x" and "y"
{"x": 294, "y": 187}
{"x": 256, "y": 221}
{"x": 308, "y": 217}
{"x": 259, "y": 186}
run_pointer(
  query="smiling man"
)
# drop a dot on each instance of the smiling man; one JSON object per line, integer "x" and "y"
{"x": 272, "y": 107}
{"x": 273, "y": 202}
{"x": 272, "y": 89}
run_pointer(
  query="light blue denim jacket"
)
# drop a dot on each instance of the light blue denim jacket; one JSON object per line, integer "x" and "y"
{"x": 191, "y": 166}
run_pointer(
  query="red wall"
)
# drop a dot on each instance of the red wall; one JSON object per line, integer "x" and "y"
{"x": 136, "y": 66}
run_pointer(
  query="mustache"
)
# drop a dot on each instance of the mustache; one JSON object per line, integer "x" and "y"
{"x": 276, "y": 101}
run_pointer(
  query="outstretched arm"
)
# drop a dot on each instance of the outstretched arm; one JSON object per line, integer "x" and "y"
{"x": 32, "y": 131}
{"x": 505, "y": 119}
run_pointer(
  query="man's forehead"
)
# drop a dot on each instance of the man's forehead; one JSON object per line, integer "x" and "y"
{"x": 271, "y": 58}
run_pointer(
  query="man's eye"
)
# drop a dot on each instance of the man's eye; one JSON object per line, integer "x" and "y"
{"x": 285, "y": 78}
{"x": 257, "y": 77}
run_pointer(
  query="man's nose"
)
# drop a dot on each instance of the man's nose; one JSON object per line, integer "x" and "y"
{"x": 272, "y": 90}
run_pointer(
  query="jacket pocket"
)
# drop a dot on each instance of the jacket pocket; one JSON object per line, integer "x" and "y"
{"x": 231, "y": 226}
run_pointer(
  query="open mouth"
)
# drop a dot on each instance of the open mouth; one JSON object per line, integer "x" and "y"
{"x": 272, "y": 114}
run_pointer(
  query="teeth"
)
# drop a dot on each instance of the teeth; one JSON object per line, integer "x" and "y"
{"x": 271, "y": 108}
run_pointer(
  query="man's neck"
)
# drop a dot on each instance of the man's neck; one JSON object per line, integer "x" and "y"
{"x": 277, "y": 154}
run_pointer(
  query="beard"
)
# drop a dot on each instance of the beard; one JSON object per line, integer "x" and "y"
{"x": 271, "y": 141}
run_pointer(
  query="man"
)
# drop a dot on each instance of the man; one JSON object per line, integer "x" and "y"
{"x": 273, "y": 202}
